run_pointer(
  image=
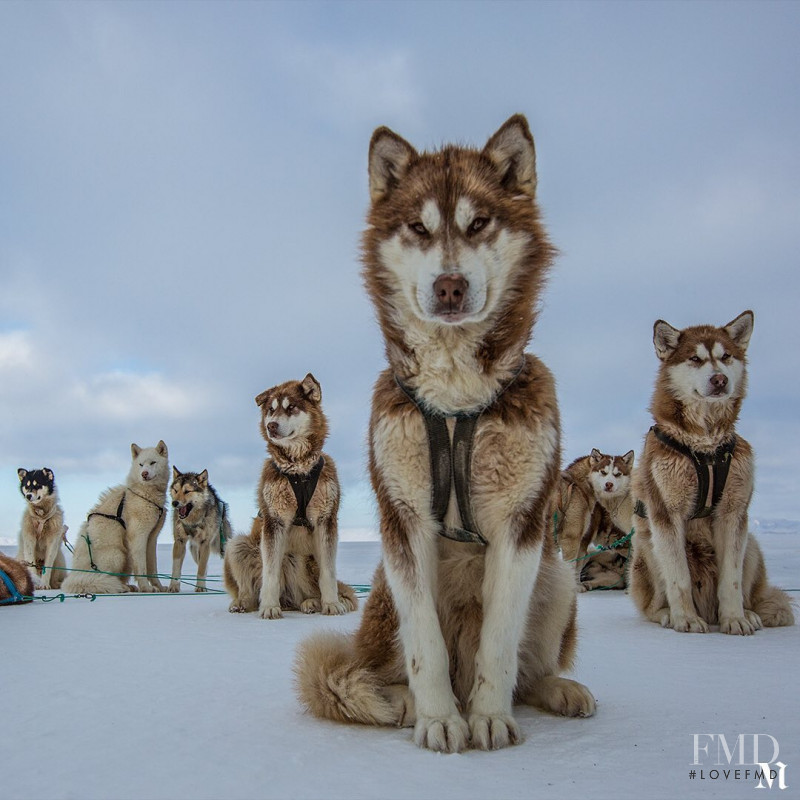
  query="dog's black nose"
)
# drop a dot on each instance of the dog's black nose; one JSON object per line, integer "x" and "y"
{"x": 175, "y": 503}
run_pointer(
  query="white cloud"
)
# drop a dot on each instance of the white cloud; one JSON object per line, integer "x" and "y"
{"x": 119, "y": 395}
{"x": 16, "y": 351}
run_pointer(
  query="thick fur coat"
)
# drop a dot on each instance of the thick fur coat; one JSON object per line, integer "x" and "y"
{"x": 199, "y": 519}
{"x": 42, "y": 529}
{"x": 288, "y": 563}
{"x": 689, "y": 574}
{"x": 454, "y": 633}
{"x": 594, "y": 508}
{"x": 119, "y": 537}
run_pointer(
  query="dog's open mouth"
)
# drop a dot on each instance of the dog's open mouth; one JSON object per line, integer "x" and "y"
{"x": 184, "y": 511}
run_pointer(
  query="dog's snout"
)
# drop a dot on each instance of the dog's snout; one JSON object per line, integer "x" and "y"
{"x": 272, "y": 428}
{"x": 145, "y": 474}
{"x": 719, "y": 381}
{"x": 609, "y": 486}
{"x": 175, "y": 503}
{"x": 450, "y": 290}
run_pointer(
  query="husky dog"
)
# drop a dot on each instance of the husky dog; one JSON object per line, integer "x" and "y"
{"x": 118, "y": 538}
{"x": 200, "y": 518}
{"x": 16, "y": 583}
{"x": 42, "y": 530}
{"x": 594, "y": 506}
{"x": 694, "y": 562}
{"x": 288, "y": 561}
{"x": 472, "y": 608}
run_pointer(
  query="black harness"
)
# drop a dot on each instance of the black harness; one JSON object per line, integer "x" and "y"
{"x": 117, "y": 517}
{"x": 712, "y": 473}
{"x": 450, "y": 465}
{"x": 304, "y": 487}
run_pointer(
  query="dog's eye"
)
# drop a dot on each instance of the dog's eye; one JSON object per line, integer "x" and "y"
{"x": 695, "y": 359}
{"x": 289, "y": 408}
{"x": 418, "y": 228}
{"x": 726, "y": 357}
{"x": 478, "y": 224}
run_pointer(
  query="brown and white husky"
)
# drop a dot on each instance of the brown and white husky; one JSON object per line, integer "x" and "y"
{"x": 472, "y": 609}
{"x": 288, "y": 561}
{"x": 695, "y": 564}
{"x": 594, "y": 508}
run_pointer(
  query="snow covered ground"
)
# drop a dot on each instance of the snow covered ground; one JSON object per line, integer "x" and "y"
{"x": 170, "y": 696}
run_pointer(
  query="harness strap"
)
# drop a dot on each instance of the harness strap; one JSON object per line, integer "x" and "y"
{"x": 303, "y": 487}
{"x": 450, "y": 465}
{"x": 221, "y": 509}
{"x": 711, "y": 468}
{"x": 115, "y": 517}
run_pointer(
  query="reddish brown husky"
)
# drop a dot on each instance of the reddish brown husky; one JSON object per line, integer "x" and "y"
{"x": 472, "y": 608}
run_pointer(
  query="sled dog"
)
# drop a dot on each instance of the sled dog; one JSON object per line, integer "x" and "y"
{"x": 16, "y": 583}
{"x": 288, "y": 561}
{"x": 472, "y": 607}
{"x": 118, "y": 538}
{"x": 199, "y": 517}
{"x": 42, "y": 530}
{"x": 594, "y": 508}
{"x": 694, "y": 563}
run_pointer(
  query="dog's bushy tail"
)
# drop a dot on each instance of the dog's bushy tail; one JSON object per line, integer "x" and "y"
{"x": 774, "y": 607}
{"x": 332, "y": 684}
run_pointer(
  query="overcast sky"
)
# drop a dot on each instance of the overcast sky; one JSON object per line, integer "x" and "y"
{"x": 183, "y": 187}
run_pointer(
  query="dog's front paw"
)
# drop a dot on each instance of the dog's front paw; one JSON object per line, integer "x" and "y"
{"x": 200, "y": 588}
{"x": 234, "y": 608}
{"x": 270, "y": 612}
{"x": 310, "y": 605}
{"x": 493, "y": 731}
{"x": 174, "y": 586}
{"x": 443, "y": 734}
{"x": 333, "y": 609}
{"x": 157, "y": 585}
{"x": 745, "y": 625}
{"x": 684, "y": 623}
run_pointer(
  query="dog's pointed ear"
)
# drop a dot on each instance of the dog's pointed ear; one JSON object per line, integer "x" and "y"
{"x": 262, "y": 398}
{"x": 596, "y": 455}
{"x": 513, "y": 153}
{"x": 22, "y": 473}
{"x": 161, "y": 448}
{"x": 628, "y": 458}
{"x": 135, "y": 450}
{"x": 389, "y": 157}
{"x": 741, "y": 328}
{"x": 202, "y": 478}
{"x": 176, "y": 473}
{"x": 47, "y": 471}
{"x": 665, "y": 339}
{"x": 311, "y": 388}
